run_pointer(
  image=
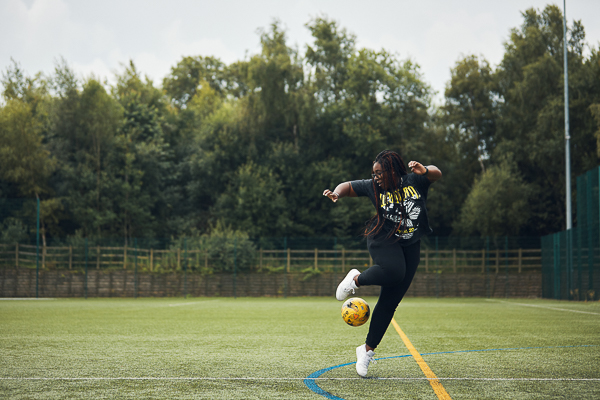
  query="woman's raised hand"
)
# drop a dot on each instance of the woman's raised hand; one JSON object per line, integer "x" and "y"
{"x": 332, "y": 195}
{"x": 417, "y": 167}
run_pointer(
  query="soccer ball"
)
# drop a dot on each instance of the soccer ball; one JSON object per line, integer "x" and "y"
{"x": 355, "y": 311}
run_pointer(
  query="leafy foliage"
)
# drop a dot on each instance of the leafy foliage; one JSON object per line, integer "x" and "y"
{"x": 498, "y": 204}
{"x": 246, "y": 149}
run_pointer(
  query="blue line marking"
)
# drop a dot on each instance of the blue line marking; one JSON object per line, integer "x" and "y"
{"x": 312, "y": 385}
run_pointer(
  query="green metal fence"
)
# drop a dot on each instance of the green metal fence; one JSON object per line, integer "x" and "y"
{"x": 571, "y": 259}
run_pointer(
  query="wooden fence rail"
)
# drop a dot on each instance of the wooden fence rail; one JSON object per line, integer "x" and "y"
{"x": 155, "y": 260}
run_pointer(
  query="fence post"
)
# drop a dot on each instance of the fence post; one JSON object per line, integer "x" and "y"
{"x": 234, "y": 267}
{"x": 85, "y": 286}
{"x": 135, "y": 277}
{"x": 482, "y": 261}
{"x": 287, "y": 269}
{"x": 506, "y": 285}
{"x": 592, "y": 231}
{"x": 17, "y": 255}
{"x": 497, "y": 260}
{"x": 97, "y": 257}
{"x": 289, "y": 259}
{"x": 70, "y": 257}
{"x": 316, "y": 257}
{"x": 569, "y": 254}
{"x": 557, "y": 294}
{"x": 37, "y": 251}
{"x": 185, "y": 264}
{"x": 151, "y": 259}
{"x": 260, "y": 263}
{"x": 437, "y": 269}
{"x": 178, "y": 258}
{"x": 487, "y": 267}
{"x": 520, "y": 259}
{"x": 125, "y": 256}
{"x": 335, "y": 254}
{"x": 454, "y": 259}
{"x": 437, "y": 255}
{"x": 579, "y": 262}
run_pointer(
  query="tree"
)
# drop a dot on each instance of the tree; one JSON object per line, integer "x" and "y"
{"x": 497, "y": 205}
{"x": 83, "y": 135}
{"x": 253, "y": 144}
{"x": 181, "y": 85}
{"x": 254, "y": 202}
{"x": 329, "y": 56}
{"x": 530, "y": 124}
{"x": 141, "y": 154}
{"x": 24, "y": 160}
{"x": 470, "y": 110}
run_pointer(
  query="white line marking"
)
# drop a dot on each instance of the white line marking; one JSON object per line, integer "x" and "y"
{"x": 150, "y": 378}
{"x": 549, "y": 308}
{"x": 193, "y": 302}
{"x": 26, "y": 298}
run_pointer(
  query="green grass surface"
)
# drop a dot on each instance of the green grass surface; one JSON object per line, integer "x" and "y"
{"x": 261, "y": 348}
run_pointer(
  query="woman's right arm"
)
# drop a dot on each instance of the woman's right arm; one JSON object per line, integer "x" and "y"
{"x": 342, "y": 190}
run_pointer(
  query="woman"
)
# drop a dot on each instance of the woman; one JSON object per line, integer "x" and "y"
{"x": 393, "y": 238}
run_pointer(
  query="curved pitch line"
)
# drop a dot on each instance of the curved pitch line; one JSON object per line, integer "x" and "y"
{"x": 311, "y": 383}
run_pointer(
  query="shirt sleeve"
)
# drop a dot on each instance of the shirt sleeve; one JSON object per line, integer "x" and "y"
{"x": 421, "y": 183}
{"x": 362, "y": 187}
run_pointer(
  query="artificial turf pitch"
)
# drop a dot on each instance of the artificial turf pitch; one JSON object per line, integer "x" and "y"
{"x": 295, "y": 348}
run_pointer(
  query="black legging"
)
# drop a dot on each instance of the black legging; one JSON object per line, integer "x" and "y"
{"x": 394, "y": 269}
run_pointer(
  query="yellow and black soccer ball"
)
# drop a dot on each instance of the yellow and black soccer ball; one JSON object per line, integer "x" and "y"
{"x": 355, "y": 311}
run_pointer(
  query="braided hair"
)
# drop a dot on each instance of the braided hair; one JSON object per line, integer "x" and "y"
{"x": 393, "y": 171}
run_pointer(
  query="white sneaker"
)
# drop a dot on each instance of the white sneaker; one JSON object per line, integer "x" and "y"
{"x": 347, "y": 285}
{"x": 363, "y": 359}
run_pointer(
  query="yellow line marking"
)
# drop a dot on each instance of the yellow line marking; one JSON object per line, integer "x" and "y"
{"x": 433, "y": 380}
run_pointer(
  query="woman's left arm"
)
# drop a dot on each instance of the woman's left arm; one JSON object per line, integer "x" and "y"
{"x": 432, "y": 172}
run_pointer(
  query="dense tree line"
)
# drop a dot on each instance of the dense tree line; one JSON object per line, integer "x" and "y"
{"x": 249, "y": 147}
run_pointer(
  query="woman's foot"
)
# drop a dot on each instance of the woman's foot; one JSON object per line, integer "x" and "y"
{"x": 347, "y": 285}
{"x": 363, "y": 358}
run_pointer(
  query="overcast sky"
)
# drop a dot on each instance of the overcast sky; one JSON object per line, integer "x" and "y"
{"x": 98, "y": 36}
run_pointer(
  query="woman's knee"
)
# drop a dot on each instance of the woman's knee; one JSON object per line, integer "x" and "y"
{"x": 395, "y": 275}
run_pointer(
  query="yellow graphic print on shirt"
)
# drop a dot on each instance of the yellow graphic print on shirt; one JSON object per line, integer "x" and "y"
{"x": 409, "y": 224}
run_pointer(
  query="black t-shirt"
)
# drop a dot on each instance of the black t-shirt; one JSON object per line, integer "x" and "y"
{"x": 416, "y": 223}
